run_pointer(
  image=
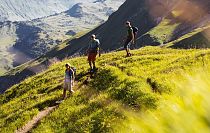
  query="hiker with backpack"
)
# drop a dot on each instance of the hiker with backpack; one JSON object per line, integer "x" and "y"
{"x": 93, "y": 50}
{"x": 129, "y": 39}
{"x": 69, "y": 79}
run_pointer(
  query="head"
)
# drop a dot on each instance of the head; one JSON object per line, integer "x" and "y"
{"x": 67, "y": 66}
{"x": 128, "y": 24}
{"x": 93, "y": 37}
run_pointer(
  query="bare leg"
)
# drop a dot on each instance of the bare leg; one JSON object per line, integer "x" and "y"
{"x": 64, "y": 93}
{"x": 70, "y": 87}
{"x": 73, "y": 82}
{"x": 127, "y": 51}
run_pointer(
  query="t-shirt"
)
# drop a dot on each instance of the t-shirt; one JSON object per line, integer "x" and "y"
{"x": 68, "y": 75}
{"x": 94, "y": 45}
{"x": 130, "y": 32}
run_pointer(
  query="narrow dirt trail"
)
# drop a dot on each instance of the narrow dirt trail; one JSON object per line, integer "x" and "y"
{"x": 36, "y": 119}
{"x": 34, "y": 122}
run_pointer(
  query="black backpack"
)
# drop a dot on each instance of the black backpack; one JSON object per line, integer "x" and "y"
{"x": 135, "y": 29}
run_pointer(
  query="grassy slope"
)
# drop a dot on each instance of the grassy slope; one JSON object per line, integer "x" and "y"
{"x": 139, "y": 84}
{"x": 19, "y": 73}
{"x": 194, "y": 39}
{"x": 161, "y": 34}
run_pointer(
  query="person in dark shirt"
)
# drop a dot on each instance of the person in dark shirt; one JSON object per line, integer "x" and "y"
{"x": 130, "y": 38}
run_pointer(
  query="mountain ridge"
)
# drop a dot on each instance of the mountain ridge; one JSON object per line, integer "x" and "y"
{"x": 23, "y": 10}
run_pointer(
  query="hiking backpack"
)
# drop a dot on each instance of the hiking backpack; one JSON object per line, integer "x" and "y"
{"x": 135, "y": 29}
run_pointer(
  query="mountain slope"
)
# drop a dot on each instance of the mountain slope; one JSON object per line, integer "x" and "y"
{"x": 164, "y": 28}
{"x": 8, "y": 37}
{"x": 141, "y": 83}
{"x": 29, "y": 39}
{"x": 198, "y": 40}
{"x": 149, "y": 16}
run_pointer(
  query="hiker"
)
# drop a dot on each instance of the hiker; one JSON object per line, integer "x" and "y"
{"x": 69, "y": 75}
{"x": 130, "y": 38}
{"x": 93, "y": 50}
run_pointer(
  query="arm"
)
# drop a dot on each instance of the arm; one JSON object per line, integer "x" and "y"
{"x": 72, "y": 71}
{"x": 99, "y": 49}
{"x": 133, "y": 37}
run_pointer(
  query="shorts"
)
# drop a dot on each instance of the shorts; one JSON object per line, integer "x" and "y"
{"x": 68, "y": 85}
{"x": 92, "y": 56}
{"x": 127, "y": 44}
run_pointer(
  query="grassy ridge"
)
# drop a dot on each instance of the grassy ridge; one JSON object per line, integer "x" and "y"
{"x": 140, "y": 83}
{"x": 194, "y": 39}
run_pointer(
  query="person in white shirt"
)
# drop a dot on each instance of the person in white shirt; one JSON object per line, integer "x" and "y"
{"x": 69, "y": 75}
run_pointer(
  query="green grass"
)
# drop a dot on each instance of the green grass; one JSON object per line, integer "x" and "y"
{"x": 186, "y": 111}
{"x": 194, "y": 39}
{"x": 141, "y": 93}
{"x": 164, "y": 31}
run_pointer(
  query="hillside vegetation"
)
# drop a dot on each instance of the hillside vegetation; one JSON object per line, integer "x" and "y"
{"x": 156, "y": 89}
{"x": 169, "y": 23}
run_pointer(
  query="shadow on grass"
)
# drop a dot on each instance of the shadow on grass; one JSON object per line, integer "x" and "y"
{"x": 51, "y": 89}
{"x": 125, "y": 89}
{"x": 48, "y": 103}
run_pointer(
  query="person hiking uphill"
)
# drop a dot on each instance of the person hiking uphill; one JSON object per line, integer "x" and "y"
{"x": 130, "y": 38}
{"x": 93, "y": 50}
{"x": 68, "y": 81}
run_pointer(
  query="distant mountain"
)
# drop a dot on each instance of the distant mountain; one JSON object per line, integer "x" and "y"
{"x": 22, "y": 10}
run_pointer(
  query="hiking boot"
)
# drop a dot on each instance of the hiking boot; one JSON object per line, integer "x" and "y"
{"x": 94, "y": 68}
{"x": 128, "y": 55}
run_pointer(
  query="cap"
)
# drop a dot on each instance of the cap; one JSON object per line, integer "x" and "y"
{"x": 128, "y": 22}
{"x": 93, "y": 36}
{"x": 68, "y": 64}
